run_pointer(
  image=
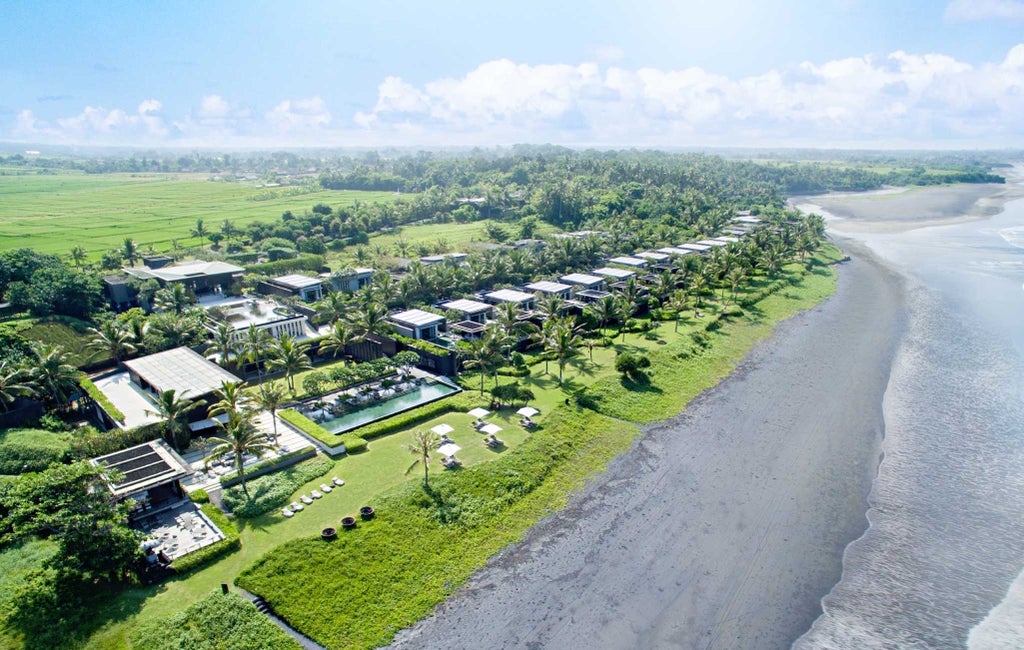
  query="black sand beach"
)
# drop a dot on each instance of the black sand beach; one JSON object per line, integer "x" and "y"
{"x": 722, "y": 528}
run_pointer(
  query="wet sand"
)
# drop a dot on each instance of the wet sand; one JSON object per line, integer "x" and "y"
{"x": 721, "y": 528}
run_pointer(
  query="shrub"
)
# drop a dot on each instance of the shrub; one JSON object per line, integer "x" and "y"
{"x": 52, "y": 423}
{"x": 632, "y": 365}
{"x": 99, "y": 443}
{"x": 218, "y": 621}
{"x": 268, "y": 466}
{"x": 272, "y": 491}
{"x": 353, "y": 443}
{"x": 207, "y": 554}
{"x": 199, "y": 496}
{"x": 101, "y": 399}
{"x": 30, "y": 450}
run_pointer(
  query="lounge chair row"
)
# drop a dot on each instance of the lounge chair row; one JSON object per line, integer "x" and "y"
{"x": 293, "y": 507}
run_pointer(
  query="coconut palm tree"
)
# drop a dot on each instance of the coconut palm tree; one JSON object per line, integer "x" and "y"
{"x": 200, "y": 232}
{"x": 239, "y": 436}
{"x": 550, "y": 304}
{"x": 605, "y": 311}
{"x": 174, "y": 298}
{"x": 483, "y": 353}
{"x": 270, "y": 397}
{"x": 332, "y": 306}
{"x": 130, "y": 251}
{"x": 677, "y": 303}
{"x": 340, "y": 336}
{"x": 15, "y": 382}
{"x": 174, "y": 410}
{"x": 223, "y": 345}
{"x": 231, "y": 398}
{"x": 290, "y": 356}
{"x": 255, "y": 345}
{"x": 112, "y": 337}
{"x": 564, "y": 344}
{"x": 53, "y": 377}
{"x": 370, "y": 318}
{"x": 423, "y": 442}
{"x": 78, "y": 255}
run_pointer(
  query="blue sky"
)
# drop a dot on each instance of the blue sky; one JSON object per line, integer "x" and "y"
{"x": 644, "y": 72}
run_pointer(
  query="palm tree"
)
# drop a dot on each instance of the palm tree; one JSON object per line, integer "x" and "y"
{"x": 290, "y": 356}
{"x": 240, "y": 437}
{"x": 112, "y": 337}
{"x": 228, "y": 230}
{"x": 270, "y": 397}
{"x": 483, "y": 353}
{"x": 174, "y": 298}
{"x": 423, "y": 442}
{"x": 340, "y": 336}
{"x": 78, "y": 255}
{"x": 223, "y": 345}
{"x": 130, "y": 251}
{"x": 677, "y": 303}
{"x": 550, "y": 305}
{"x": 564, "y": 344}
{"x": 256, "y": 344}
{"x": 15, "y": 382}
{"x": 52, "y": 375}
{"x": 370, "y": 319}
{"x": 174, "y": 410}
{"x": 605, "y": 310}
{"x": 735, "y": 277}
{"x": 201, "y": 232}
{"x": 332, "y": 306}
{"x": 231, "y": 398}
{"x": 174, "y": 329}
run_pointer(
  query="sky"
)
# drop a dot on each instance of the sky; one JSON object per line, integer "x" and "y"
{"x": 647, "y": 73}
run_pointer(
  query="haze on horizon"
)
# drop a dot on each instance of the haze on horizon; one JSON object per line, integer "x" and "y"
{"x": 748, "y": 73}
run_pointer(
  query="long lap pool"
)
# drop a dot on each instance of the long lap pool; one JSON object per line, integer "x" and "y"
{"x": 425, "y": 392}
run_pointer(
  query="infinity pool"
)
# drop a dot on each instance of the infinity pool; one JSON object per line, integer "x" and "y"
{"x": 427, "y": 392}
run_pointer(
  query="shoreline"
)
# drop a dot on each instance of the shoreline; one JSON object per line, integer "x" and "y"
{"x": 724, "y": 526}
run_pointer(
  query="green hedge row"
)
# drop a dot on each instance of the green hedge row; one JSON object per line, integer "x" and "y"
{"x": 217, "y": 621}
{"x": 268, "y": 465}
{"x": 423, "y": 346}
{"x": 273, "y": 491}
{"x": 207, "y": 554}
{"x": 404, "y": 420}
{"x": 302, "y": 263}
{"x": 101, "y": 399}
{"x": 106, "y": 442}
{"x": 309, "y": 427}
{"x": 353, "y": 443}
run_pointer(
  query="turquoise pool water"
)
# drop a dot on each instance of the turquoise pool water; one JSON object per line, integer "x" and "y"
{"x": 424, "y": 393}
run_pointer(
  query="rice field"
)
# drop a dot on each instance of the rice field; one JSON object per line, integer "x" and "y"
{"x": 52, "y": 213}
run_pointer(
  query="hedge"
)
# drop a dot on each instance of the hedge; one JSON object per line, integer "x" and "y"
{"x": 269, "y": 465}
{"x": 207, "y": 554}
{"x": 423, "y": 346}
{"x": 273, "y": 491}
{"x": 308, "y": 427}
{"x": 107, "y": 442}
{"x": 199, "y": 496}
{"x": 101, "y": 399}
{"x": 301, "y": 263}
{"x": 404, "y": 420}
{"x": 353, "y": 443}
{"x": 218, "y": 621}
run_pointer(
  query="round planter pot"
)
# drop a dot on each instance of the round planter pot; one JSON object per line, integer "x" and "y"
{"x": 327, "y": 534}
{"x": 366, "y": 512}
{"x": 348, "y": 523}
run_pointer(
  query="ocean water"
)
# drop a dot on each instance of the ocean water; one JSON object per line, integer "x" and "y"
{"x": 942, "y": 562}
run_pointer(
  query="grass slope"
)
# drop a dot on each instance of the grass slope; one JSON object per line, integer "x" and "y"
{"x": 97, "y": 211}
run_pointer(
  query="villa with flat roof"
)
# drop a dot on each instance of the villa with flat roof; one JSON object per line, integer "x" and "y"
{"x": 417, "y": 324}
{"x": 151, "y": 473}
{"x": 695, "y": 248}
{"x": 521, "y": 298}
{"x": 627, "y": 260}
{"x": 351, "y": 279}
{"x": 653, "y": 257}
{"x": 197, "y": 275}
{"x": 712, "y": 242}
{"x": 437, "y": 259}
{"x": 303, "y": 287}
{"x": 584, "y": 281}
{"x": 550, "y": 288}
{"x": 471, "y": 310}
{"x": 264, "y": 314}
{"x": 617, "y": 274}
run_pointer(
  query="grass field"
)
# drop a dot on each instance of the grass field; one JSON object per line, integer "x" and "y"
{"x": 52, "y": 213}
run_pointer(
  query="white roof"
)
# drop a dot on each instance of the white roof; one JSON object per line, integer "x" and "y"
{"x": 466, "y": 306}
{"x": 712, "y": 242}
{"x": 671, "y": 251}
{"x": 729, "y": 240}
{"x": 683, "y": 251}
{"x": 363, "y": 270}
{"x": 509, "y": 295}
{"x": 657, "y": 257}
{"x": 182, "y": 370}
{"x": 581, "y": 278}
{"x": 626, "y": 260}
{"x": 417, "y": 318}
{"x": 621, "y": 274}
{"x": 545, "y": 286}
{"x": 528, "y": 411}
{"x": 695, "y": 247}
{"x": 747, "y": 219}
{"x": 185, "y": 270}
{"x": 296, "y": 281}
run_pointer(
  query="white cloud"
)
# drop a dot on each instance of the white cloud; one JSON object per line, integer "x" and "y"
{"x": 970, "y": 10}
{"x": 299, "y": 117}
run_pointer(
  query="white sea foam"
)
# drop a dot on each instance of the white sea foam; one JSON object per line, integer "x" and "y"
{"x": 1003, "y": 628}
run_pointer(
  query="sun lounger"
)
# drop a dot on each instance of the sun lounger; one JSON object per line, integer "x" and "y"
{"x": 296, "y": 506}
{"x": 287, "y": 513}
{"x": 305, "y": 499}
{"x": 338, "y": 481}
{"x": 317, "y": 494}
{"x": 325, "y": 487}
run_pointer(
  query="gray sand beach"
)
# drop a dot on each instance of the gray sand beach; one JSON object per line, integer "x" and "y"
{"x": 721, "y": 528}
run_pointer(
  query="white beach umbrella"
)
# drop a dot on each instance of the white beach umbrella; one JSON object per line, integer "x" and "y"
{"x": 479, "y": 413}
{"x": 443, "y": 429}
{"x": 527, "y": 411}
{"x": 449, "y": 449}
{"x": 490, "y": 429}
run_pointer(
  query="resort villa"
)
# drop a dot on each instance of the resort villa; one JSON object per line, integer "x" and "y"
{"x": 303, "y": 287}
{"x": 263, "y": 314}
{"x": 617, "y": 275}
{"x": 470, "y": 310}
{"x": 417, "y": 324}
{"x": 549, "y": 288}
{"x": 627, "y": 260}
{"x": 525, "y": 301}
{"x": 351, "y": 279}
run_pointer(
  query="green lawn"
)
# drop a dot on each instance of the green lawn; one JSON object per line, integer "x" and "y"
{"x": 52, "y": 213}
{"x": 70, "y": 334}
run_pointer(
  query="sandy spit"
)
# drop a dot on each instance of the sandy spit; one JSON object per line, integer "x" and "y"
{"x": 721, "y": 528}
